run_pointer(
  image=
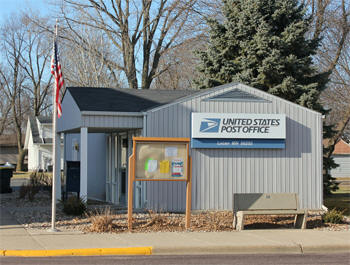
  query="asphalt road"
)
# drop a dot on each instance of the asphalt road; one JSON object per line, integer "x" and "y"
{"x": 237, "y": 259}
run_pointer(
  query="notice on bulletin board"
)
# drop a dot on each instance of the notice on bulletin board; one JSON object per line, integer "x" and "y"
{"x": 177, "y": 168}
{"x": 161, "y": 160}
{"x": 171, "y": 151}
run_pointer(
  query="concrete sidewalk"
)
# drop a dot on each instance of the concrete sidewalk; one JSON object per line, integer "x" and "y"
{"x": 15, "y": 237}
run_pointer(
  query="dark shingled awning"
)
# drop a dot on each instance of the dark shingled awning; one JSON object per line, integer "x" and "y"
{"x": 123, "y": 100}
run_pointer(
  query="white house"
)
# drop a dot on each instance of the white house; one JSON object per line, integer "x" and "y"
{"x": 38, "y": 142}
{"x": 8, "y": 149}
{"x": 341, "y": 157}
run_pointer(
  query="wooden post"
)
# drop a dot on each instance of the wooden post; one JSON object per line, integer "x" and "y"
{"x": 189, "y": 194}
{"x": 130, "y": 190}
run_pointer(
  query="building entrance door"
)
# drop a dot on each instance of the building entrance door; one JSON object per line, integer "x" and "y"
{"x": 116, "y": 179}
{"x": 121, "y": 172}
{"x": 119, "y": 148}
{"x": 110, "y": 170}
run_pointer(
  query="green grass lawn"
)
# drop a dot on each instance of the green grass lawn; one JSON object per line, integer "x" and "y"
{"x": 24, "y": 174}
{"x": 21, "y": 175}
{"x": 339, "y": 200}
{"x": 346, "y": 178}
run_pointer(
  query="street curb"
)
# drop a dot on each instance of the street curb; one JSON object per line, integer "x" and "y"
{"x": 282, "y": 249}
{"x": 292, "y": 249}
{"x": 78, "y": 252}
{"x": 327, "y": 249}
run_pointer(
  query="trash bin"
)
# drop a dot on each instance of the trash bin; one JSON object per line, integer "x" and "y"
{"x": 5, "y": 179}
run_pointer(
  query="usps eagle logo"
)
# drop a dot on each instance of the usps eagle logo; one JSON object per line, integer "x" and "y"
{"x": 210, "y": 125}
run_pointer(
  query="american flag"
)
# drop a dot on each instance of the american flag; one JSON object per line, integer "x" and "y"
{"x": 59, "y": 81}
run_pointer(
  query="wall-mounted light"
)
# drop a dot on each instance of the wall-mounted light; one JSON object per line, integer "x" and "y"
{"x": 76, "y": 147}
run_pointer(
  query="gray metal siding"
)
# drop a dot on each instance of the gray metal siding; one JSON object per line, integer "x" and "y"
{"x": 344, "y": 166}
{"x": 96, "y": 162}
{"x": 218, "y": 173}
{"x": 71, "y": 116}
{"x": 108, "y": 121}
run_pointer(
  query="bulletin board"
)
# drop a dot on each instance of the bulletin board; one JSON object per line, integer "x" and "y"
{"x": 160, "y": 159}
{"x": 163, "y": 160}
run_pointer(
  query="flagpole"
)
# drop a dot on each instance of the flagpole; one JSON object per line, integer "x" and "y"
{"x": 54, "y": 171}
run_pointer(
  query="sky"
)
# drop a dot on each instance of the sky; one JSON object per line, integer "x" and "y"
{"x": 10, "y": 7}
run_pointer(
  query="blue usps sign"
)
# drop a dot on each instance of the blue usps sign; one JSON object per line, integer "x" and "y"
{"x": 238, "y": 130}
{"x": 238, "y": 125}
{"x": 237, "y": 143}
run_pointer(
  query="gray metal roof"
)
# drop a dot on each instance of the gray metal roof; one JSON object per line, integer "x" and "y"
{"x": 237, "y": 95}
{"x": 35, "y": 130}
{"x": 123, "y": 100}
{"x": 43, "y": 119}
{"x": 49, "y": 141}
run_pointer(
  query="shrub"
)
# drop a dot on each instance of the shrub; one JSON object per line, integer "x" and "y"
{"x": 333, "y": 216}
{"x": 34, "y": 185}
{"x": 23, "y": 191}
{"x": 46, "y": 182}
{"x": 42, "y": 180}
{"x": 34, "y": 178}
{"x": 37, "y": 181}
{"x": 102, "y": 221}
{"x": 74, "y": 206}
{"x": 32, "y": 190}
{"x": 29, "y": 190}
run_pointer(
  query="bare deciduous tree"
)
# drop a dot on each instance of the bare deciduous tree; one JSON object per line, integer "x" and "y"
{"x": 13, "y": 78}
{"x": 139, "y": 30}
{"x": 84, "y": 67}
{"x": 35, "y": 61}
{"x": 179, "y": 66}
{"x": 332, "y": 24}
{"x": 5, "y": 107}
{"x": 337, "y": 98}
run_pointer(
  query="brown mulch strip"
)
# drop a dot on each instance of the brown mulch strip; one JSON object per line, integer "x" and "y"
{"x": 37, "y": 215}
{"x": 210, "y": 221}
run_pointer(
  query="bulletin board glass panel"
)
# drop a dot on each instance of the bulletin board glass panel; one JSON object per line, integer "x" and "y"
{"x": 161, "y": 161}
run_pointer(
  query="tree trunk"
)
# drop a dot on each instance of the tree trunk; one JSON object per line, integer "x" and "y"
{"x": 21, "y": 151}
{"x": 132, "y": 79}
{"x": 129, "y": 62}
{"x": 36, "y": 103}
{"x": 20, "y": 159}
{"x": 145, "y": 68}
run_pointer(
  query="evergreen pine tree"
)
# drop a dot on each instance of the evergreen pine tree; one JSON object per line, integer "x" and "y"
{"x": 262, "y": 43}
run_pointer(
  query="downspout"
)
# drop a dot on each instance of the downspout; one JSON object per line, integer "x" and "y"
{"x": 144, "y": 127}
{"x": 143, "y": 185}
{"x": 64, "y": 165}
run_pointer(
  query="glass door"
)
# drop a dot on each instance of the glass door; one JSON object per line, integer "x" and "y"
{"x": 122, "y": 167}
{"x": 111, "y": 166}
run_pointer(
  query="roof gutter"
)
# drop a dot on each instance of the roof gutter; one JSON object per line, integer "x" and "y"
{"x": 46, "y": 144}
{"x": 111, "y": 113}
